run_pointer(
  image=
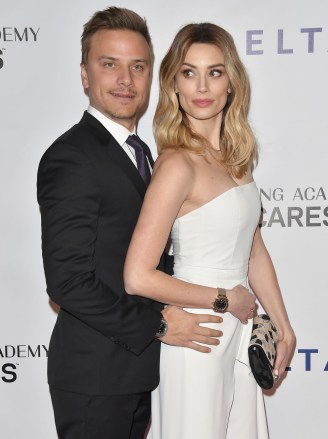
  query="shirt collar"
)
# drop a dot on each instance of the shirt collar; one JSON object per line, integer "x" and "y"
{"x": 118, "y": 131}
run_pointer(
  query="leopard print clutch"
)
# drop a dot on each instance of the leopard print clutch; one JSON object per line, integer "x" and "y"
{"x": 262, "y": 350}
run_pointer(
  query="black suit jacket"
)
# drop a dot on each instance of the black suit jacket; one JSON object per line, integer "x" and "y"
{"x": 90, "y": 195}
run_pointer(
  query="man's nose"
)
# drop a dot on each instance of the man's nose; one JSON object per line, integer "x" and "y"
{"x": 125, "y": 76}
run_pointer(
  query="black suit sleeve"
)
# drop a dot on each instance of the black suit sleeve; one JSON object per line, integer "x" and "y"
{"x": 70, "y": 199}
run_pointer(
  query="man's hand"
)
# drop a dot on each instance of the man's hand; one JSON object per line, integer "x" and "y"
{"x": 241, "y": 303}
{"x": 184, "y": 329}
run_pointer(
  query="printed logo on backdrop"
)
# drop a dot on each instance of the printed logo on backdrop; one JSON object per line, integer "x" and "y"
{"x": 14, "y": 357}
{"x": 14, "y": 35}
{"x": 295, "y": 207}
{"x": 310, "y": 356}
{"x": 256, "y": 39}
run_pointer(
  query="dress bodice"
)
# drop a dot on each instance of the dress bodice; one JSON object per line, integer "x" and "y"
{"x": 219, "y": 234}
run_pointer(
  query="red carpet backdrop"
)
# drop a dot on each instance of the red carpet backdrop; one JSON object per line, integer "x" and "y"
{"x": 284, "y": 46}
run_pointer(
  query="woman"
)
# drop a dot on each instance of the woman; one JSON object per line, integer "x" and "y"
{"x": 202, "y": 188}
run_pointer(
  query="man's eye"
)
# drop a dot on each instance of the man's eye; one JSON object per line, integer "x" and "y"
{"x": 138, "y": 67}
{"x": 110, "y": 65}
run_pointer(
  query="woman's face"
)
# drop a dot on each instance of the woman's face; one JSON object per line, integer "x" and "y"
{"x": 202, "y": 83}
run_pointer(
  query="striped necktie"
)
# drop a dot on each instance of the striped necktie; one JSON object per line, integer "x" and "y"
{"x": 141, "y": 158}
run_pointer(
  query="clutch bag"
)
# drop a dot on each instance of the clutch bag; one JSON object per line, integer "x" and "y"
{"x": 262, "y": 350}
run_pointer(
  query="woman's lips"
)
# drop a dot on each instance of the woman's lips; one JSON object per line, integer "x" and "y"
{"x": 202, "y": 102}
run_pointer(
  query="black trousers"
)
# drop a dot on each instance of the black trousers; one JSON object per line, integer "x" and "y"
{"x": 100, "y": 417}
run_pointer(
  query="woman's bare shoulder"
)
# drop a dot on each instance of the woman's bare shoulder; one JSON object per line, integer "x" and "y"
{"x": 174, "y": 160}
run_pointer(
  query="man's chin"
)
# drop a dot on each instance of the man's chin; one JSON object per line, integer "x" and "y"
{"x": 121, "y": 115}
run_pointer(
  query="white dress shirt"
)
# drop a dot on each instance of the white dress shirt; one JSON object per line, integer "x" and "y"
{"x": 119, "y": 132}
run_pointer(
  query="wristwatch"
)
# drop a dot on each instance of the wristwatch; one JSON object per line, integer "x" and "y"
{"x": 221, "y": 302}
{"x": 162, "y": 330}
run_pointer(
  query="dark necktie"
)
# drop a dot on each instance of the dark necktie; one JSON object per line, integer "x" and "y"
{"x": 141, "y": 158}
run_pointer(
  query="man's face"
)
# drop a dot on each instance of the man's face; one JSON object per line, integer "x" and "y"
{"x": 117, "y": 75}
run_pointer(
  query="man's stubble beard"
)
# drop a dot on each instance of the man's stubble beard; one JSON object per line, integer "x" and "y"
{"x": 119, "y": 116}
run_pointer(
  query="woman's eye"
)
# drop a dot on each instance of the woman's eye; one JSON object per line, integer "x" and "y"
{"x": 215, "y": 72}
{"x": 187, "y": 73}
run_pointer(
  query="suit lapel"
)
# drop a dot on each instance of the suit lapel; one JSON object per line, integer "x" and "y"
{"x": 124, "y": 162}
{"x": 116, "y": 152}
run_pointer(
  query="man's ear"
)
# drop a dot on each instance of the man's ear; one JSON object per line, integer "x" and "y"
{"x": 84, "y": 77}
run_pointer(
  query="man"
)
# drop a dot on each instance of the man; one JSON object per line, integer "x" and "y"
{"x": 103, "y": 355}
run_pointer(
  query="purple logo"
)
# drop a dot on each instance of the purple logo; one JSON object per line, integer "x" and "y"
{"x": 256, "y": 38}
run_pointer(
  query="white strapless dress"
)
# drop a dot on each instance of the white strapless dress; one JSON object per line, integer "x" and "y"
{"x": 212, "y": 396}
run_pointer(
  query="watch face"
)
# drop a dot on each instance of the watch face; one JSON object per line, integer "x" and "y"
{"x": 162, "y": 329}
{"x": 221, "y": 303}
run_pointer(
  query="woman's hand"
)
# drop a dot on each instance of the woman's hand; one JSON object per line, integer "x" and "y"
{"x": 241, "y": 303}
{"x": 285, "y": 349}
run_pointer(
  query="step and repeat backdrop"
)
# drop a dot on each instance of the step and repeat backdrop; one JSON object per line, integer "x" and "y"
{"x": 284, "y": 46}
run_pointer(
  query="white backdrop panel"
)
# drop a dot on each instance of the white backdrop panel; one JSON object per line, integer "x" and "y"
{"x": 284, "y": 47}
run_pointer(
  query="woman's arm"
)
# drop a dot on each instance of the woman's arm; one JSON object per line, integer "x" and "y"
{"x": 172, "y": 183}
{"x": 264, "y": 283}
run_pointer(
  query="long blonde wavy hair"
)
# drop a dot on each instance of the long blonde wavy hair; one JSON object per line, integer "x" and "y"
{"x": 171, "y": 126}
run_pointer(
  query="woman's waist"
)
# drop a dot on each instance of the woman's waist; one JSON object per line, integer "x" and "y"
{"x": 212, "y": 277}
